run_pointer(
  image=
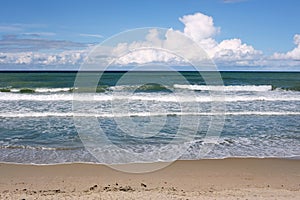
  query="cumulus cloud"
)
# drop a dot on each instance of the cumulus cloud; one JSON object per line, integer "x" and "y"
{"x": 146, "y": 56}
{"x": 160, "y": 46}
{"x": 235, "y": 50}
{"x": 198, "y": 27}
{"x": 201, "y": 29}
{"x": 297, "y": 39}
{"x": 293, "y": 54}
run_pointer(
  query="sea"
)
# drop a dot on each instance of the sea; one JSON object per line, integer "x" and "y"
{"x": 147, "y": 122}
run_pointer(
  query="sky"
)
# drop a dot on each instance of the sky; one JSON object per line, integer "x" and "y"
{"x": 236, "y": 34}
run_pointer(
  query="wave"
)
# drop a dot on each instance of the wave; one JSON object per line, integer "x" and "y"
{"x": 99, "y": 89}
{"x": 38, "y": 147}
{"x": 225, "y": 147}
{"x": 53, "y": 90}
{"x": 152, "y": 88}
{"x": 291, "y": 88}
{"x": 142, "y": 97}
{"x": 250, "y": 88}
{"x": 33, "y": 90}
{"x": 141, "y": 114}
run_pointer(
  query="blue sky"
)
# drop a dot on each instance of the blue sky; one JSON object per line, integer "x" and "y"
{"x": 34, "y": 27}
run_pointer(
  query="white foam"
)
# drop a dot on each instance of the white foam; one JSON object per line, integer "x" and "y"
{"x": 42, "y": 90}
{"x": 142, "y": 114}
{"x": 35, "y": 97}
{"x": 52, "y": 90}
{"x": 15, "y": 90}
{"x": 145, "y": 97}
{"x": 251, "y": 88}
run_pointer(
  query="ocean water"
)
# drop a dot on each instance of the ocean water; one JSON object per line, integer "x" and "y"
{"x": 37, "y": 124}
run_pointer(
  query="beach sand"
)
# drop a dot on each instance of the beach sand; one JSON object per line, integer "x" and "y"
{"x": 202, "y": 179}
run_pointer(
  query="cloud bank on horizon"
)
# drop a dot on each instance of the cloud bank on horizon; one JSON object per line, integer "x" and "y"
{"x": 30, "y": 49}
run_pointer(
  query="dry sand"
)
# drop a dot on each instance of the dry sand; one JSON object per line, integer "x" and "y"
{"x": 203, "y": 179}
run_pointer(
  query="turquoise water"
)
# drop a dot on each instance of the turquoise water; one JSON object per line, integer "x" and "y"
{"x": 37, "y": 126}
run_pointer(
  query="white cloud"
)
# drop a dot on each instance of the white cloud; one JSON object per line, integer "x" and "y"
{"x": 69, "y": 57}
{"x": 156, "y": 49}
{"x": 297, "y": 39}
{"x": 146, "y": 56}
{"x": 235, "y": 50}
{"x": 199, "y": 27}
{"x": 202, "y": 30}
{"x": 290, "y": 55}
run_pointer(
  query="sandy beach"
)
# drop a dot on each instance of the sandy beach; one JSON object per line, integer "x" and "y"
{"x": 203, "y": 179}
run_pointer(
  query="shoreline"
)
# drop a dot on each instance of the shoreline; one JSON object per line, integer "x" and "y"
{"x": 183, "y": 160}
{"x": 228, "y": 178}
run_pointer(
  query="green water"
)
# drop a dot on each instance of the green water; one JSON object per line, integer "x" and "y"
{"x": 284, "y": 80}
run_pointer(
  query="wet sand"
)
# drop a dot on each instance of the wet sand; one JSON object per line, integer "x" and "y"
{"x": 203, "y": 179}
